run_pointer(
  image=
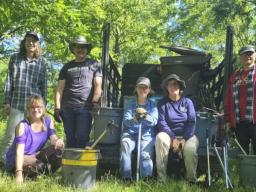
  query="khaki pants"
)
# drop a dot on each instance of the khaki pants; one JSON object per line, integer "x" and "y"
{"x": 163, "y": 144}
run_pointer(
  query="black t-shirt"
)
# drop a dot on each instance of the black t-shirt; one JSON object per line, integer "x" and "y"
{"x": 78, "y": 78}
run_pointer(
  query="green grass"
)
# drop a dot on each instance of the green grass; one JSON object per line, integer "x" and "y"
{"x": 109, "y": 183}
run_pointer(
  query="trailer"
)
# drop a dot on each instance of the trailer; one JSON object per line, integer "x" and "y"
{"x": 205, "y": 86}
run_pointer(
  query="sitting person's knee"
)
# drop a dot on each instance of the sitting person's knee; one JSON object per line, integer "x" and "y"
{"x": 190, "y": 150}
{"x": 145, "y": 156}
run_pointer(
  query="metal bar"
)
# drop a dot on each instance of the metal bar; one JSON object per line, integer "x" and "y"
{"x": 221, "y": 163}
{"x": 208, "y": 157}
{"x": 99, "y": 138}
{"x": 138, "y": 153}
{"x": 225, "y": 166}
{"x": 228, "y": 58}
{"x": 105, "y": 62}
{"x": 241, "y": 148}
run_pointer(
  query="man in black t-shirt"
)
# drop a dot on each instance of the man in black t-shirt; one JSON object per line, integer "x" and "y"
{"x": 79, "y": 88}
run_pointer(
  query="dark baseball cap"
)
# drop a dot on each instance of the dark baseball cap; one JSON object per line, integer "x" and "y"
{"x": 32, "y": 33}
{"x": 247, "y": 48}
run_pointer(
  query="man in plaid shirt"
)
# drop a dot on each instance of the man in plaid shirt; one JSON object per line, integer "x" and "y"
{"x": 26, "y": 76}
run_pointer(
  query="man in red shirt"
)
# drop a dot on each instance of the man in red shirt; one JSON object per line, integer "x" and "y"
{"x": 240, "y": 101}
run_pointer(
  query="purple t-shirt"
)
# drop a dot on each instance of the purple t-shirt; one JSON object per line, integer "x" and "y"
{"x": 33, "y": 141}
{"x": 176, "y": 118}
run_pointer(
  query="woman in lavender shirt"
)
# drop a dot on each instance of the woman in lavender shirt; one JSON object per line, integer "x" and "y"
{"x": 26, "y": 156}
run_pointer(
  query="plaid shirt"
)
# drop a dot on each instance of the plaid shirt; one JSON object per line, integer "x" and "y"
{"x": 25, "y": 78}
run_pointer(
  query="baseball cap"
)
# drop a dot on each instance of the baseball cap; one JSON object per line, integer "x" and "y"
{"x": 143, "y": 81}
{"x": 32, "y": 33}
{"x": 247, "y": 48}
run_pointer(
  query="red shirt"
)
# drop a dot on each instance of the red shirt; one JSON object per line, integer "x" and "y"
{"x": 242, "y": 94}
{"x": 229, "y": 101}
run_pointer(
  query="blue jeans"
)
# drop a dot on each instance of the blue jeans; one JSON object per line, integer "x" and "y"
{"x": 77, "y": 126}
{"x": 128, "y": 143}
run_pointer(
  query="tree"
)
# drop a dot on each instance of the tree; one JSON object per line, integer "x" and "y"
{"x": 202, "y": 24}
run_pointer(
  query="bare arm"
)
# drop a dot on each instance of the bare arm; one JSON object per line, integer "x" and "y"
{"x": 59, "y": 93}
{"x": 97, "y": 89}
{"x": 58, "y": 143}
{"x": 8, "y": 87}
{"x": 19, "y": 155}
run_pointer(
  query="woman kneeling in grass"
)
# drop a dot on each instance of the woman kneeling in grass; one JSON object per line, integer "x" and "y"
{"x": 26, "y": 157}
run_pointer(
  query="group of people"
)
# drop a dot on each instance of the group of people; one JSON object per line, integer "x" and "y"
{"x": 166, "y": 126}
{"x": 28, "y": 127}
{"x": 169, "y": 125}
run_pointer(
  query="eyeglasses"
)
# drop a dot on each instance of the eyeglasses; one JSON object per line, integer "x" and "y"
{"x": 249, "y": 53}
{"x": 30, "y": 40}
{"x": 36, "y": 107}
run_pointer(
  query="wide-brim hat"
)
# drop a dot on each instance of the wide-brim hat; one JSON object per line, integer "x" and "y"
{"x": 32, "y": 33}
{"x": 175, "y": 77}
{"x": 247, "y": 48}
{"x": 80, "y": 40}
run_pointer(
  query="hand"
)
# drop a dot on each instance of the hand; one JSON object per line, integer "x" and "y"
{"x": 141, "y": 110}
{"x": 175, "y": 145}
{"x": 182, "y": 143}
{"x": 57, "y": 115}
{"x": 227, "y": 125}
{"x": 7, "y": 108}
{"x": 135, "y": 119}
{"x": 140, "y": 113}
{"x": 95, "y": 105}
{"x": 19, "y": 176}
{"x": 59, "y": 144}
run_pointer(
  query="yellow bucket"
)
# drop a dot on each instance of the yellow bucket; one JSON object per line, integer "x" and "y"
{"x": 79, "y": 167}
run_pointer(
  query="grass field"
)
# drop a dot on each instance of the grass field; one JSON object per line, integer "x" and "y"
{"x": 110, "y": 183}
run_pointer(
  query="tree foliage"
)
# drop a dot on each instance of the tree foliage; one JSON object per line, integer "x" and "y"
{"x": 202, "y": 24}
{"x": 138, "y": 27}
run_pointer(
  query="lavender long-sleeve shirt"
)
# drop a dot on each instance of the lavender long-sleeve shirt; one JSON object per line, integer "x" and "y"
{"x": 176, "y": 118}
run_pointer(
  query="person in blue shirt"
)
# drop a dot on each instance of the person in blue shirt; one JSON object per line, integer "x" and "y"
{"x": 142, "y": 110}
{"x": 176, "y": 124}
